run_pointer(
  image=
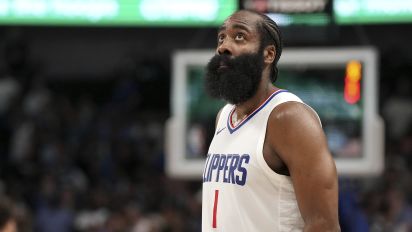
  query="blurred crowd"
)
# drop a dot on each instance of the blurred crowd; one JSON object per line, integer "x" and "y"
{"x": 384, "y": 203}
{"x": 72, "y": 160}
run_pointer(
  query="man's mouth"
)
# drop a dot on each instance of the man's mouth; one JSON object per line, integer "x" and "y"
{"x": 222, "y": 65}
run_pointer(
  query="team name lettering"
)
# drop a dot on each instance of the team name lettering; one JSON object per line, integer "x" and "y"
{"x": 226, "y": 168}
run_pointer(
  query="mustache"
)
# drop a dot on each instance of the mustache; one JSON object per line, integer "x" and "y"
{"x": 217, "y": 60}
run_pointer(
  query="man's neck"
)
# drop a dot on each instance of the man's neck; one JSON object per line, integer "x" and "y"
{"x": 247, "y": 107}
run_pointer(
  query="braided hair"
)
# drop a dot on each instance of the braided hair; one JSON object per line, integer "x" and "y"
{"x": 270, "y": 35}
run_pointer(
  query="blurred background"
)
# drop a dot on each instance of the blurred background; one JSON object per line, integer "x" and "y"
{"x": 86, "y": 91}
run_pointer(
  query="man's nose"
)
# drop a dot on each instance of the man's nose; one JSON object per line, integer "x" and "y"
{"x": 224, "y": 48}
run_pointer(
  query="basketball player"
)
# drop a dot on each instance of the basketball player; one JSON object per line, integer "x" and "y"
{"x": 268, "y": 167}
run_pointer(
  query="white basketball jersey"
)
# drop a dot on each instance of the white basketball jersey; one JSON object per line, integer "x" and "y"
{"x": 240, "y": 191}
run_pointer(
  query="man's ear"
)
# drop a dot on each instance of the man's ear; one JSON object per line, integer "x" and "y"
{"x": 269, "y": 54}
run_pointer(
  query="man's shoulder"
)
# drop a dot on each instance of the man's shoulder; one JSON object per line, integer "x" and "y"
{"x": 292, "y": 112}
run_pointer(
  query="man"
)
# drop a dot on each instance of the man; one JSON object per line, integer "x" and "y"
{"x": 268, "y": 166}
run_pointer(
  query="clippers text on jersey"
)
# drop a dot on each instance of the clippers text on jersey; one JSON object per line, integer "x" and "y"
{"x": 226, "y": 168}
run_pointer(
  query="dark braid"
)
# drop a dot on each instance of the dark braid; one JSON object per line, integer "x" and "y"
{"x": 270, "y": 35}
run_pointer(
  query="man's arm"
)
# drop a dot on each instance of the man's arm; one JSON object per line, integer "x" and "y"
{"x": 295, "y": 134}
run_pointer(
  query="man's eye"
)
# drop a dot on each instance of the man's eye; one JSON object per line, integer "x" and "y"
{"x": 220, "y": 38}
{"x": 239, "y": 36}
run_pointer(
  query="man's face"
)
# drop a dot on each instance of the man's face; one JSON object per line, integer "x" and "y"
{"x": 235, "y": 72}
{"x": 238, "y": 34}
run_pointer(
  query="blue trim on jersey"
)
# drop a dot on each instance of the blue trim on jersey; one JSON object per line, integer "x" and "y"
{"x": 233, "y": 129}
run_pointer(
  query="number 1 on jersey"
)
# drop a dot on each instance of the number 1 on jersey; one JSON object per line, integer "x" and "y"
{"x": 215, "y": 208}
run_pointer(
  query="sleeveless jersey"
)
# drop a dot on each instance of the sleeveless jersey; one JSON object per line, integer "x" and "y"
{"x": 241, "y": 193}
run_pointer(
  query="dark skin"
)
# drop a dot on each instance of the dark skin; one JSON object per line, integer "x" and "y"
{"x": 295, "y": 144}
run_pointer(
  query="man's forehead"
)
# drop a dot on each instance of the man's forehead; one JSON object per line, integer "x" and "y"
{"x": 242, "y": 18}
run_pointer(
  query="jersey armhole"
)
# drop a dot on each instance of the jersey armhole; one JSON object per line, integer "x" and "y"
{"x": 261, "y": 160}
{"x": 269, "y": 173}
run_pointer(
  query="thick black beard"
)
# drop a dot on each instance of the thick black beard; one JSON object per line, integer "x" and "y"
{"x": 238, "y": 81}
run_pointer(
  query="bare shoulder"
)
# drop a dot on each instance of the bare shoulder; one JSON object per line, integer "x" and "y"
{"x": 295, "y": 133}
{"x": 293, "y": 112}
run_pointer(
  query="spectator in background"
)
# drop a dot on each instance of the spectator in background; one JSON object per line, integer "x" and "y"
{"x": 397, "y": 109}
{"x": 351, "y": 216}
{"x": 54, "y": 211}
{"x": 7, "y": 219}
{"x": 395, "y": 213}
